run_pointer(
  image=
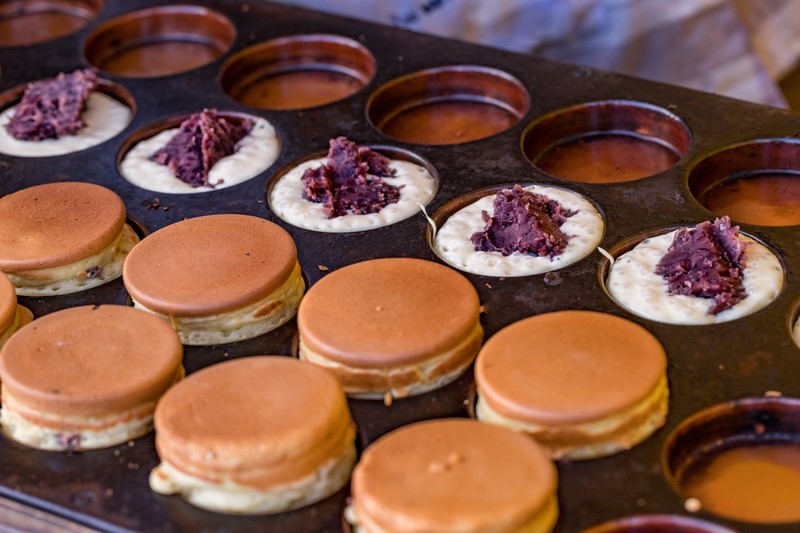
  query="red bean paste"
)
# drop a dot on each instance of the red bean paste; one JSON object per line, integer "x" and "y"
{"x": 350, "y": 181}
{"x": 523, "y": 222}
{"x": 706, "y": 261}
{"x": 52, "y": 108}
{"x": 203, "y": 139}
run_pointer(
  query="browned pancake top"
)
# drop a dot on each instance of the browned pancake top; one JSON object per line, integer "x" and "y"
{"x": 8, "y": 303}
{"x": 260, "y": 420}
{"x": 387, "y": 312}
{"x": 568, "y": 367}
{"x": 209, "y": 265}
{"x": 57, "y": 224}
{"x": 440, "y": 473}
{"x": 90, "y": 360}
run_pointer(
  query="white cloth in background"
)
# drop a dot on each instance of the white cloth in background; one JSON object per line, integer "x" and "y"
{"x": 737, "y": 48}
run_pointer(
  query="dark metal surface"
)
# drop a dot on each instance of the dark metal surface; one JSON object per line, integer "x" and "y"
{"x": 108, "y": 489}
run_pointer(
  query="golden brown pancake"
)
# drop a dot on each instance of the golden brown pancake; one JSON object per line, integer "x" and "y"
{"x": 52, "y": 236}
{"x": 57, "y": 224}
{"x": 217, "y": 278}
{"x": 12, "y": 315}
{"x": 86, "y": 377}
{"x": 453, "y": 475}
{"x": 258, "y": 434}
{"x": 399, "y": 326}
{"x": 584, "y": 384}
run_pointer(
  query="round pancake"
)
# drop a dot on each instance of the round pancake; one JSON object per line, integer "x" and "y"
{"x": 439, "y": 474}
{"x": 259, "y": 421}
{"x": 57, "y": 224}
{"x": 209, "y": 265}
{"x": 568, "y": 367}
{"x": 90, "y": 361}
{"x": 388, "y": 312}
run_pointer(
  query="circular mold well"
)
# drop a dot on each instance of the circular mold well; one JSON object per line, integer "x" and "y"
{"x": 606, "y": 142}
{"x": 756, "y": 182}
{"x": 285, "y": 189}
{"x": 448, "y": 105}
{"x": 657, "y": 524}
{"x": 630, "y": 281}
{"x": 159, "y": 41}
{"x": 740, "y": 459}
{"x": 253, "y": 154}
{"x": 459, "y": 218}
{"x": 298, "y": 72}
{"x": 24, "y": 23}
{"x": 11, "y": 97}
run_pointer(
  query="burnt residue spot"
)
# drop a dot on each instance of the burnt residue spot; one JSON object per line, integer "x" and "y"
{"x": 706, "y": 261}
{"x": 350, "y": 181}
{"x": 523, "y": 222}
{"x": 203, "y": 139}
{"x": 94, "y": 272}
{"x": 52, "y": 108}
{"x": 154, "y": 203}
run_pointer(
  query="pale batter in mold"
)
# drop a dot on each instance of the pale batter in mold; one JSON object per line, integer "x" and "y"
{"x": 286, "y": 200}
{"x": 105, "y": 117}
{"x": 254, "y": 154}
{"x": 633, "y": 283}
{"x": 452, "y": 242}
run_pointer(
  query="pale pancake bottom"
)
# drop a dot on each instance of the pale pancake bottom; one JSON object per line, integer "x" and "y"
{"x": 22, "y": 317}
{"x": 597, "y": 438}
{"x": 231, "y": 497}
{"x": 251, "y": 321}
{"x": 48, "y": 431}
{"x": 542, "y": 522}
{"x": 67, "y": 279}
{"x": 402, "y": 381}
{"x": 27, "y": 432}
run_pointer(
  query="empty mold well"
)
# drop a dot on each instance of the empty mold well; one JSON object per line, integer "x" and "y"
{"x": 159, "y": 41}
{"x": 297, "y": 72}
{"x": 448, "y": 105}
{"x": 606, "y": 142}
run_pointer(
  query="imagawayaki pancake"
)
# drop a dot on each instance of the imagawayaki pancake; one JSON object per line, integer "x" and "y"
{"x": 86, "y": 377}
{"x": 61, "y": 238}
{"x": 260, "y": 434}
{"x": 394, "y": 326}
{"x": 583, "y": 384}
{"x": 453, "y": 475}
{"x": 217, "y": 278}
